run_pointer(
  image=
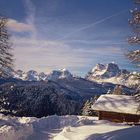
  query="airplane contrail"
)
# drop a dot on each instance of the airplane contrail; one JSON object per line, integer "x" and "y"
{"x": 91, "y": 25}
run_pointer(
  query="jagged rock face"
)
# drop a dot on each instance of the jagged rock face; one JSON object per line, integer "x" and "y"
{"x": 59, "y": 74}
{"x": 112, "y": 70}
{"x": 42, "y": 76}
{"x": 105, "y": 71}
{"x": 19, "y": 73}
{"x": 33, "y": 75}
{"x": 113, "y": 74}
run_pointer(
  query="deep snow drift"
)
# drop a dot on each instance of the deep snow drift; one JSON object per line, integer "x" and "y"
{"x": 64, "y": 128}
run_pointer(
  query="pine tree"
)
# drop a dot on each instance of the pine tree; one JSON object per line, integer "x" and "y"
{"x": 87, "y": 108}
{"x": 6, "y": 57}
{"x": 117, "y": 90}
{"x": 134, "y": 55}
{"x": 109, "y": 91}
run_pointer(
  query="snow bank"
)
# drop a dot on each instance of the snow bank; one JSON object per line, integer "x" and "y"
{"x": 90, "y": 130}
{"x": 132, "y": 133}
{"x": 15, "y": 128}
{"x": 54, "y": 122}
{"x": 12, "y": 129}
{"x": 64, "y": 128}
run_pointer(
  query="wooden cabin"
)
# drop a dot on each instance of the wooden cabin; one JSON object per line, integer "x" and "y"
{"x": 118, "y": 108}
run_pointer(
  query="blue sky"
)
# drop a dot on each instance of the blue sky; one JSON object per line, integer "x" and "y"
{"x": 72, "y": 34}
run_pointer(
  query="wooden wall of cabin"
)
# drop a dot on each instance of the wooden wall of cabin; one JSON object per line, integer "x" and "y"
{"x": 118, "y": 117}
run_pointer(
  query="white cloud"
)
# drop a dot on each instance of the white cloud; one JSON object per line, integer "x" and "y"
{"x": 17, "y": 26}
{"x": 30, "y": 19}
{"x": 43, "y": 55}
{"x": 28, "y": 25}
{"x": 47, "y": 56}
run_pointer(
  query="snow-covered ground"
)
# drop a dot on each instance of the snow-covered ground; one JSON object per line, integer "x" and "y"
{"x": 64, "y": 128}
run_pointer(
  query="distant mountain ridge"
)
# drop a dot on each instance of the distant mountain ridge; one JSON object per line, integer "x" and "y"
{"x": 59, "y": 74}
{"x": 101, "y": 73}
{"x": 33, "y": 75}
{"x": 111, "y": 73}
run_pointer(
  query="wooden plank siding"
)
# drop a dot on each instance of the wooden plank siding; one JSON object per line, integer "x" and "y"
{"x": 118, "y": 117}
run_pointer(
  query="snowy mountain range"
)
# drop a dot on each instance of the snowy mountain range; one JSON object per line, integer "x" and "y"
{"x": 111, "y": 73}
{"x": 33, "y": 75}
{"x": 101, "y": 73}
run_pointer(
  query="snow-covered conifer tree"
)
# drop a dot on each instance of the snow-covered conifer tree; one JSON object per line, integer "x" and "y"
{"x": 134, "y": 39}
{"x": 6, "y": 57}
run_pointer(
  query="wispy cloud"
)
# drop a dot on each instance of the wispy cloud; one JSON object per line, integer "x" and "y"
{"x": 97, "y": 42}
{"x": 30, "y": 19}
{"x": 39, "y": 43}
{"x": 91, "y": 25}
{"x": 29, "y": 22}
{"x": 48, "y": 55}
{"x": 17, "y": 26}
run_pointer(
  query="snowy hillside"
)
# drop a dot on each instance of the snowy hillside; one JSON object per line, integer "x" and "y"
{"x": 113, "y": 74}
{"x": 87, "y": 89}
{"x": 42, "y": 98}
{"x": 64, "y": 128}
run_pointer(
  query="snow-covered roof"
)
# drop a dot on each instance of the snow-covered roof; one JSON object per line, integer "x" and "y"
{"x": 117, "y": 103}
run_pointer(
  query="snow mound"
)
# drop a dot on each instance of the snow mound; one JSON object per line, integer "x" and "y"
{"x": 15, "y": 131}
{"x": 64, "y": 128}
{"x": 84, "y": 121}
{"x": 16, "y": 128}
